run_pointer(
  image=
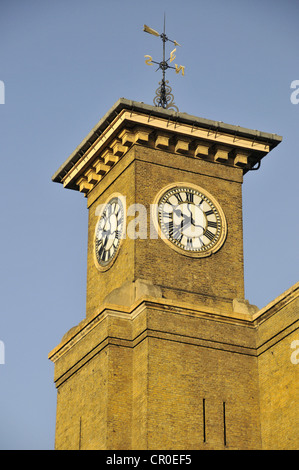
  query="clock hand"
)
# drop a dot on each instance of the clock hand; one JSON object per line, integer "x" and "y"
{"x": 179, "y": 213}
{"x": 195, "y": 225}
{"x": 113, "y": 224}
{"x": 191, "y": 216}
{"x": 193, "y": 220}
{"x": 190, "y": 219}
{"x": 106, "y": 232}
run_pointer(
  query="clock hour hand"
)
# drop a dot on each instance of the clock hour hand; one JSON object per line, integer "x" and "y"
{"x": 195, "y": 225}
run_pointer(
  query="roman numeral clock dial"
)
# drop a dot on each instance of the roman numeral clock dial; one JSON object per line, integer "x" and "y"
{"x": 109, "y": 232}
{"x": 190, "y": 220}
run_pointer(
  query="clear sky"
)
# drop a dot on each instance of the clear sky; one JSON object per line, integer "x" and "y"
{"x": 64, "y": 63}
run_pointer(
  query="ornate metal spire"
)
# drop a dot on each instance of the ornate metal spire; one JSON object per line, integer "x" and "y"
{"x": 164, "y": 97}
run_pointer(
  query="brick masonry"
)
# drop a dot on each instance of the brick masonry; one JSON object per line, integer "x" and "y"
{"x": 157, "y": 376}
{"x": 139, "y": 176}
{"x": 170, "y": 354}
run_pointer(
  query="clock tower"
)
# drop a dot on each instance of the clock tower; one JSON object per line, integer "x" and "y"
{"x": 166, "y": 356}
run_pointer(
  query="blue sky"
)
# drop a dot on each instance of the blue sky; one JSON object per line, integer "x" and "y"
{"x": 64, "y": 64}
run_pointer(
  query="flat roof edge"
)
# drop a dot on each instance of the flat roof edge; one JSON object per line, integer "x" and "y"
{"x": 272, "y": 139}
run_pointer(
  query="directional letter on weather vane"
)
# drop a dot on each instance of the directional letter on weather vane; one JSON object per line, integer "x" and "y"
{"x": 164, "y": 97}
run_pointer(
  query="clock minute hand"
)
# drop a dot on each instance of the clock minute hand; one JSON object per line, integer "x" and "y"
{"x": 106, "y": 233}
{"x": 195, "y": 225}
{"x": 193, "y": 221}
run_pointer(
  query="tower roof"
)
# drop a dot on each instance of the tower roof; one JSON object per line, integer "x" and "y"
{"x": 128, "y": 122}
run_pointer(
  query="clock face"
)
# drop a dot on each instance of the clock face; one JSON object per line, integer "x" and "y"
{"x": 109, "y": 232}
{"x": 190, "y": 220}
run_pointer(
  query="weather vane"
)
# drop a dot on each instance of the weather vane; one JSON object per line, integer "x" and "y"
{"x": 164, "y": 97}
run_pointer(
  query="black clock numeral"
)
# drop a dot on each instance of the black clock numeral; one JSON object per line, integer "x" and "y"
{"x": 209, "y": 234}
{"x": 189, "y": 197}
{"x": 189, "y": 244}
{"x": 210, "y": 212}
{"x": 179, "y": 197}
{"x": 177, "y": 235}
{"x": 175, "y": 232}
{"x": 170, "y": 227}
{"x": 168, "y": 215}
{"x": 212, "y": 224}
{"x": 101, "y": 251}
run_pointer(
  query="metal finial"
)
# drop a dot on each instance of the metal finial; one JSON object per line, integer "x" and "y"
{"x": 164, "y": 97}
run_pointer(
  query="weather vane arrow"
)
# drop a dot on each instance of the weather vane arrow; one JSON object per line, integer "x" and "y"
{"x": 164, "y": 97}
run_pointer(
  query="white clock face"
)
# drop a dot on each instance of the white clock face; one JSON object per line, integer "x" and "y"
{"x": 109, "y": 231}
{"x": 191, "y": 220}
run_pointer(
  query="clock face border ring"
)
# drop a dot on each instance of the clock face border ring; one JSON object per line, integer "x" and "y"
{"x": 195, "y": 254}
{"x": 103, "y": 268}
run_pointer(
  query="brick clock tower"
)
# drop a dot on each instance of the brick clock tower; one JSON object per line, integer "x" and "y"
{"x": 170, "y": 354}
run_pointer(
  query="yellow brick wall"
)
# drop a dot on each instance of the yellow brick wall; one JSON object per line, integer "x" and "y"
{"x": 192, "y": 359}
{"x": 94, "y": 401}
{"x": 119, "y": 409}
{"x": 181, "y": 377}
{"x": 138, "y": 381}
{"x": 216, "y": 278}
{"x": 99, "y": 284}
{"x": 278, "y": 375}
{"x": 139, "y": 428}
{"x": 141, "y": 174}
{"x": 155, "y": 375}
{"x": 82, "y": 402}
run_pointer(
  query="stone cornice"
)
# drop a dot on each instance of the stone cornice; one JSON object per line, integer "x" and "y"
{"x": 276, "y": 305}
{"x": 130, "y": 313}
{"x": 180, "y": 308}
{"x": 129, "y": 123}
